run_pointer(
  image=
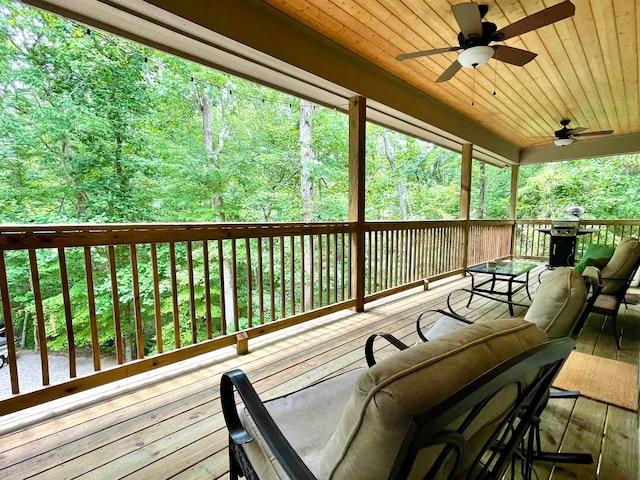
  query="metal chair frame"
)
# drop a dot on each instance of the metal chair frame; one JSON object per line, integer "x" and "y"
{"x": 427, "y": 429}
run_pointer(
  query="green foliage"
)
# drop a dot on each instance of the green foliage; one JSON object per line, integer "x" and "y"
{"x": 94, "y": 128}
{"x": 606, "y": 187}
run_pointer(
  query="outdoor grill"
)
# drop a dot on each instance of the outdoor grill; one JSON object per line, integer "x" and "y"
{"x": 562, "y": 250}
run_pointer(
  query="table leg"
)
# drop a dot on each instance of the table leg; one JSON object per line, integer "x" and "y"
{"x": 510, "y": 295}
{"x": 526, "y": 286}
{"x": 472, "y": 289}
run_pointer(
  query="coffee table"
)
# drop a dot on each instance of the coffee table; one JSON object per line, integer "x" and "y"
{"x": 501, "y": 272}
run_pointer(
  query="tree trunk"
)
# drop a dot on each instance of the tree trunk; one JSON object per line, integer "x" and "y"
{"x": 128, "y": 348}
{"x": 482, "y": 190}
{"x": 388, "y": 151}
{"x": 306, "y": 185}
{"x": 23, "y": 334}
{"x": 36, "y": 345}
{"x": 82, "y": 199}
{"x": 213, "y": 157}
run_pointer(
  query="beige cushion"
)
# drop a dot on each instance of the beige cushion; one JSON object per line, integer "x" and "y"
{"x": 444, "y": 326}
{"x": 392, "y": 392}
{"x": 619, "y": 268}
{"x": 558, "y": 303}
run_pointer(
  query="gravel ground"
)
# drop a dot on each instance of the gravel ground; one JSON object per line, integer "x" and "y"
{"x": 30, "y": 372}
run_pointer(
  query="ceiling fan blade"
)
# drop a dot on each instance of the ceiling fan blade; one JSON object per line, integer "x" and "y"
{"x": 449, "y": 72}
{"x": 468, "y": 18}
{"x": 424, "y": 53}
{"x": 514, "y": 56}
{"x": 532, "y": 22}
{"x": 577, "y": 130}
{"x": 589, "y": 134}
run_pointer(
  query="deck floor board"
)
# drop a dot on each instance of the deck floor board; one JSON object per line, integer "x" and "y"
{"x": 173, "y": 427}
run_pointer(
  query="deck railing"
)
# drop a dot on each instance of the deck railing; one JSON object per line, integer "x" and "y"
{"x": 148, "y": 295}
{"x": 529, "y": 242}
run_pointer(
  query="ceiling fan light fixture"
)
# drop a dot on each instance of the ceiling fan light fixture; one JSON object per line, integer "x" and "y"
{"x": 561, "y": 142}
{"x": 475, "y": 56}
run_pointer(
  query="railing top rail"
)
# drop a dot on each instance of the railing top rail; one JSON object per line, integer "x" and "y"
{"x": 491, "y": 223}
{"x": 407, "y": 224}
{"x": 29, "y": 236}
{"x": 584, "y": 221}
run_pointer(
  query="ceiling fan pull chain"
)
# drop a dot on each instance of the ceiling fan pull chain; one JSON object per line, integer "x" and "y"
{"x": 473, "y": 89}
{"x": 495, "y": 78}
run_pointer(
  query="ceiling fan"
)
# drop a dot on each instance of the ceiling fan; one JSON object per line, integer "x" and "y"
{"x": 475, "y": 36}
{"x": 566, "y": 136}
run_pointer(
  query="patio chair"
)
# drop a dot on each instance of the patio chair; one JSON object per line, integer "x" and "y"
{"x": 560, "y": 308}
{"x": 616, "y": 275}
{"x": 432, "y": 411}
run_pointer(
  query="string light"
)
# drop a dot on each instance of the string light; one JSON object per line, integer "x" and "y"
{"x": 223, "y": 90}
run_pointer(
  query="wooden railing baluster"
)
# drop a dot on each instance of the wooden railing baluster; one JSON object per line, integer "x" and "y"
{"x": 64, "y": 285}
{"x": 292, "y": 274}
{"x": 260, "y": 283}
{"x": 137, "y": 310}
{"x": 115, "y": 298}
{"x": 303, "y": 260}
{"x": 312, "y": 272}
{"x": 320, "y": 268}
{"x": 174, "y": 294}
{"x": 192, "y": 294}
{"x": 91, "y": 301}
{"x": 234, "y": 285}
{"x": 247, "y": 243}
{"x": 283, "y": 281}
{"x": 272, "y": 280}
{"x": 156, "y": 302}
{"x": 207, "y": 288}
{"x": 7, "y": 316}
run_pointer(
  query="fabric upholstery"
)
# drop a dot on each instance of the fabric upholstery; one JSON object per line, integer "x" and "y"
{"x": 617, "y": 271}
{"x": 559, "y": 301}
{"x": 359, "y": 418}
{"x": 606, "y": 302}
{"x": 307, "y": 419}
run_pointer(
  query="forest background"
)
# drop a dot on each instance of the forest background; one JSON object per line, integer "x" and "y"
{"x": 94, "y": 128}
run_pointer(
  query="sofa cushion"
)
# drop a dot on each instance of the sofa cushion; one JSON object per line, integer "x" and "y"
{"x": 616, "y": 273}
{"x": 558, "y": 302}
{"x": 388, "y": 395}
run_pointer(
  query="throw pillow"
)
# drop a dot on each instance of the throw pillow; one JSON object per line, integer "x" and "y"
{"x": 595, "y": 252}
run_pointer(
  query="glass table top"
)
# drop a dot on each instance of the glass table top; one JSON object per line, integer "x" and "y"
{"x": 506, "y": 268}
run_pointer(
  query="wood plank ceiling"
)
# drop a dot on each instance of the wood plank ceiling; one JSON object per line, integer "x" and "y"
{"x": 586, "y": 70}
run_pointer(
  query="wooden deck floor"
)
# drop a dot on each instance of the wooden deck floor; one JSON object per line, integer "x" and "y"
{"x": 168, "y": 424}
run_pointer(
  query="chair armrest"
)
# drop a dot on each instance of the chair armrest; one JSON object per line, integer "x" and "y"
{"x": 451, "y": 314}
{"x": 368, "y": 347}
{"x": 279, "y": 445}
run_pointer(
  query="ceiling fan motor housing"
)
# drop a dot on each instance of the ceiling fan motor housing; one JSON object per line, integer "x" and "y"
{"x": 488, "y": 29}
